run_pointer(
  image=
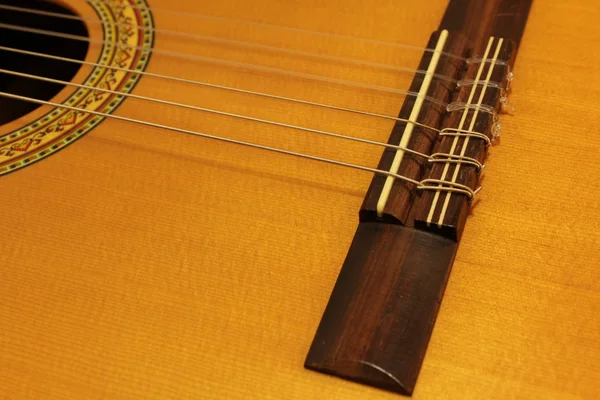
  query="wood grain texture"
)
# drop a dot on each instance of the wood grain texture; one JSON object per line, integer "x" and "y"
{"x": 138, "y": 264}
{"x": 478, "y": 20}
{"x": 379, "y": 318}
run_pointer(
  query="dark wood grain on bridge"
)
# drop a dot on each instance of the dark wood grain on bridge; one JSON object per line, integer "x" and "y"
{"x": 377, "y": 324}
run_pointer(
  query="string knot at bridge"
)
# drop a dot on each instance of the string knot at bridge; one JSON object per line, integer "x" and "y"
{"x": 460, "y": 106}
{"x": 455, "y": 159}
{"x": 472, "y": 82}
{"x": 485, "y": 60}
{"x": 466, "y": 133}
{"x": 448, "y": 186}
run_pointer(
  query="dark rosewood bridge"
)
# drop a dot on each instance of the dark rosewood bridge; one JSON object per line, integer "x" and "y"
{"x": 381, "y": 313}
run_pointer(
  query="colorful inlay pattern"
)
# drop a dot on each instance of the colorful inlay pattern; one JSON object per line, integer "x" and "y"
{"x": 128, "y": 29}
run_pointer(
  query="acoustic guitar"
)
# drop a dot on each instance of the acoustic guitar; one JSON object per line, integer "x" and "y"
{"x": 299, "y": 199}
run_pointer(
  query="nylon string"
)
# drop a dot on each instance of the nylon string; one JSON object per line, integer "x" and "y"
{"x": 228, "y": 41}
{"x": 208, "y": 110}
{"x": 401, "y": 149}
{"x": 455, "y": 188}
{"x": 204, "y": 135}
{"x": 460, "y": 127}
{"x": 279, "y": 27}
{"x": 234, "y": 64}
{"x": 471, "y": 127}
{"x": 214, "y": 86}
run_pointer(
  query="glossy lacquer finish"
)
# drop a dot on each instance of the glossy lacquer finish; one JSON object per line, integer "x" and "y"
{"x": 140, "y": 263}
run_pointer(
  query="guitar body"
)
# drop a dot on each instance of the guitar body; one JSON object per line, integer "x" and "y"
{"x": 139, "y": 262}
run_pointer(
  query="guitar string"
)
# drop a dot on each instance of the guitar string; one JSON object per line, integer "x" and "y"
{"x": 436, "y": 196}
{"x": 208, "y": 110}
{"x": 451, "y": 186}
{"x": 229, "y": 41}
{"x": 234, "y": 64}
{"x": 273, "y": 48}
{"x": 449, "y": 189}
{"x": 215, "y": 86}
{"x": 471, "y": 127}
{"x": 474, "y": 59}
{"x": 272, "y": 26}
{"x": 408, "y": 128}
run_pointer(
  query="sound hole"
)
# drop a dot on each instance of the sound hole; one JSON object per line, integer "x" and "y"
{"x": 12, "y": 109}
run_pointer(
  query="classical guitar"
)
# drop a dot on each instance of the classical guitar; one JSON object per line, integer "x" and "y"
{"x": 299, "y": 199}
